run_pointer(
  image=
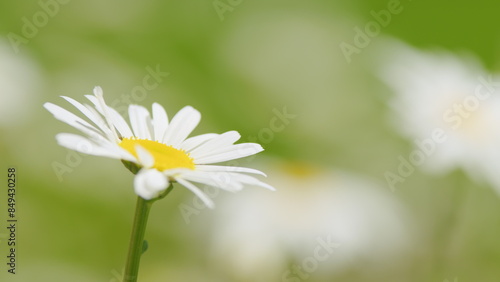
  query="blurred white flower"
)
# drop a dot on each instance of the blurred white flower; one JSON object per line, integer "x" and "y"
{"x": 321, "y": 221}
{"x": 19, "y": 86}
{"x": 441, "y": 92}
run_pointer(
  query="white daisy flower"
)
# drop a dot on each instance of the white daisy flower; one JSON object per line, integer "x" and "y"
{"x": 438, "y": 92}
{"x": 156, "y": 149}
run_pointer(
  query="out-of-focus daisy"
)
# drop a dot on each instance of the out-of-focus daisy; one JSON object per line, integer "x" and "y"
{"x": 323, "y": 222}
{"x": 20, "y": 85}
{"x": 441, "y": 92}
{"x": 158, "y": 150}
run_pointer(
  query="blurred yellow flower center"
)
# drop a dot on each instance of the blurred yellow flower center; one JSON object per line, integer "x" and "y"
{"x": 166, "y": 157}
{"x": 300, "y": 169}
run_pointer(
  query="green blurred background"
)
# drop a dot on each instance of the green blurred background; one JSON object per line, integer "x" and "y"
{"x": 236, "y": 66}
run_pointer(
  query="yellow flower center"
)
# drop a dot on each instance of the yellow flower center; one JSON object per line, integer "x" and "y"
{"x": 166, "y": 157}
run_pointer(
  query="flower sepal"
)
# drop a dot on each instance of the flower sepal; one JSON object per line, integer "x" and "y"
{"x": 164, "y": 193}
{"x": 133, "y": 167}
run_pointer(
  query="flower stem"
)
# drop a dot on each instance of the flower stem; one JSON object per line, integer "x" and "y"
{"x": 137, "y": 239}
{"x": 137, "y": 244}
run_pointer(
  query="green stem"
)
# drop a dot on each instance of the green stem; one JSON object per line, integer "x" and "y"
{"x": 137, "y": 240}
{"x": 449, "y": 227}
{"x": 137, "y": 245}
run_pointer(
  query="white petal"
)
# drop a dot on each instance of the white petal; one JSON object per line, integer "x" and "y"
{"x": 102, "y": 124}
{"x": 100, "y": 98}
{"x": 140, "y": 121}
{"x": 92, "y": 146}
{"x": 181, "y": 126}
{"x": 71, "y": 119}
{"x": 215, "y": 168}
{"x": 220, "y": 180}
{"x": 111, "y": 116}
{"x": 98, "y": 92}
{"x": 224, "y": 140}
{"x": 233, "y": 152}
{"x": 250, "y": 180}
{"x": 120, "y": 123}
{"x": 65, "y": 115}
{"x": 149, "y": 183}
{"x": 193, "y": 142}
{"x": 92, "y": 115}
{"x": 229, "y": 181}
{"x": 84, "y": 145}
{"x": 145, "y": 158}
{"x": 160, "y": 121}
{"x": 93, "y": 99}
{"x": 208, "y": 202}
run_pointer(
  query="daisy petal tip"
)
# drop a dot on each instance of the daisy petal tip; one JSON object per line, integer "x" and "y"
{"x": 60, "y": 136}
{"x": 208, "y": 202}
{"x": 53, "y": 108}
{"x": 236, "y": 135}
{"x": 257, "y": 148}
{"x": 47, "y": 105}
{"x": 98, "y": 91}
{"x": 264, "y": 185}
{"x": 210, "y": 205}
{"x": 191, "y": 110}
{"x": 267, "y": 186}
